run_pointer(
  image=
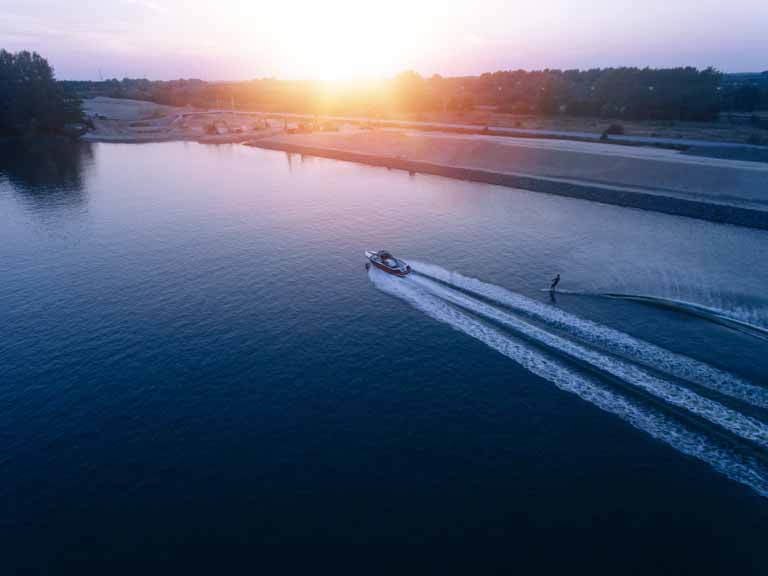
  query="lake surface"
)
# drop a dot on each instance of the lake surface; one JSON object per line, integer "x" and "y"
{"x": 198, "y": 372}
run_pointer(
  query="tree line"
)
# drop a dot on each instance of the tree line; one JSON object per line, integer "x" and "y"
{"x": 626, "y": 93}
{"x": 31, "y": 101}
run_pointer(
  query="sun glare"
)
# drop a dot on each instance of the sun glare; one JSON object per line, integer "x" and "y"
{"x": 343, "y": 40}
{"x": 335, "y": 51}
{"x": 347, "y": 57}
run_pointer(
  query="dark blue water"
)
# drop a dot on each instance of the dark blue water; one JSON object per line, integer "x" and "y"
{"x": 198, "y": 374}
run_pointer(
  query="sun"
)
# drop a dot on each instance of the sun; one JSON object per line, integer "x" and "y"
{"x": 348, "y": 57}
{"x": 340, "y": 40}
{"x": 340, "y": 50}
{"x": 335, "y": 39}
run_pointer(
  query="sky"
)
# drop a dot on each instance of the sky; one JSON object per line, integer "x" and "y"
{"x": 342, "y": 39}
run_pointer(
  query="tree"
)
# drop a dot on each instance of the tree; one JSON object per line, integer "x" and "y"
{"x": 31, "y": 101}
{"x": 410, "y": 92}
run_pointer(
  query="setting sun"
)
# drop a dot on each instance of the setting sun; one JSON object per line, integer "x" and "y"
{"x": 343, "y": 40}
{"x": 340, "y": 50}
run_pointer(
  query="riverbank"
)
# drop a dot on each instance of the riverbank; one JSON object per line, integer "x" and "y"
{"x": 697, "y": 182}
{"x": 134, "y": 121}
{"x": 718, "y": 190}
{"x": 124, "y": 120}
{"x": 716, "y": 131}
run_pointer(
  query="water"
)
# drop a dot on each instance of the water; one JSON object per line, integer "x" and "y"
{"x": 198, "y": 372}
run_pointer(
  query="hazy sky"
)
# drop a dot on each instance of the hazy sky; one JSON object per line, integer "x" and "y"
{"x": 239, "y": 39}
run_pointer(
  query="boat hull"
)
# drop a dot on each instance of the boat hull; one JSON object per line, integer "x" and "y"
{"x": 403, "y": 269}
{"x": 392, "y": 271}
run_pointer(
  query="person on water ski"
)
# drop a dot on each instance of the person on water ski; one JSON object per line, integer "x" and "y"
{"x": 555, "y": 282}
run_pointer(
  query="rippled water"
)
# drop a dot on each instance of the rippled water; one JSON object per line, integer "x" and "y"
{"x": 198, "y": 371}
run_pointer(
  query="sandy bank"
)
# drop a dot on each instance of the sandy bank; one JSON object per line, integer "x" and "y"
{"x": 122, "y": 120}
{"x": 728, "y": 191}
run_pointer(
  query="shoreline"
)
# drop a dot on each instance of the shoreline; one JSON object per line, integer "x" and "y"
{"x": 218, "y": 139}
{"x": 717, "y": 182}
{"x": 604, "y": 193}
{"x": 127, "y": 120}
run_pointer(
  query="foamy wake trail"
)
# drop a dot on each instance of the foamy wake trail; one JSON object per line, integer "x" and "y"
{"x": 738, "y": 467}
{"x": 731, "y": 420}
{"x": 608, "y": 338}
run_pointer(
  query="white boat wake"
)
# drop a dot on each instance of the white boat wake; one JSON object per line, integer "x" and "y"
{"x": 607, "y": 338}
{"x": 469, "y": 315}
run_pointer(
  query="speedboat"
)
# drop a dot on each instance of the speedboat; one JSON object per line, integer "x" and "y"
{"x": 383, "y": 260}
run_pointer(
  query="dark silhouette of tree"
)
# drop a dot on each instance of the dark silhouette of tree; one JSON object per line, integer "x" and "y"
{"x": 31, "y": 101}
